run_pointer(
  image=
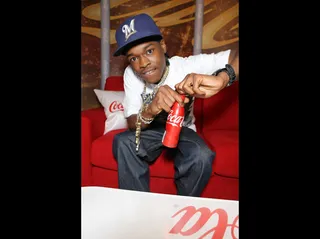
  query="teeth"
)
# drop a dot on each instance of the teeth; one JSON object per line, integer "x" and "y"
{"x": 149, "y": 72}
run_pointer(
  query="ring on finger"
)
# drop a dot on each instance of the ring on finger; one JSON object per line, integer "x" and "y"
{"x": 159, "y": 109}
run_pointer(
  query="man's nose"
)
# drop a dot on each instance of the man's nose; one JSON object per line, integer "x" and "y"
{"x": 144, "y": 62}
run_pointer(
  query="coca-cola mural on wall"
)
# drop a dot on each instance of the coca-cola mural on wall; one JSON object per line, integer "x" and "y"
{"x": 176, "y": 21}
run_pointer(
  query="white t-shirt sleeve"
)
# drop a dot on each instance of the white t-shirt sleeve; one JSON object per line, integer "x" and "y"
{"x": 205, "y": 63}
{"x": 133, "y": 88}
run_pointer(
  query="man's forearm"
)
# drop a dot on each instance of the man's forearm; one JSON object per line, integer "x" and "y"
{"x": 234, "y": 61}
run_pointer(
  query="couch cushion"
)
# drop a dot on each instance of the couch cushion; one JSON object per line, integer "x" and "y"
{"x": 101, "y": 151}
{"x": 226, "y": 145}
{"x": 97, "y": 119}
{"x": 101, "y": 156}
{"x": 221, "y": 111}
{"x": 114, "y": 83}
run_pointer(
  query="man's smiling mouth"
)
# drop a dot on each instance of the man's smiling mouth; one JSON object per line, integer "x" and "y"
{"x": 148, "y": 72}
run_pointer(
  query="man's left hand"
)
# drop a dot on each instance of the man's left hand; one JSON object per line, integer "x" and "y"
{"x": 202, "y": 86}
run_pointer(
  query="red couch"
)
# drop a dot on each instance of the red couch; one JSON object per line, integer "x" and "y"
{"x": 216, "y": 121}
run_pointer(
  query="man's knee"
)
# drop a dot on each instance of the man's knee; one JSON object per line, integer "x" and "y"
{"x": 205, "y": 159}
{"x": 120, "y": 141}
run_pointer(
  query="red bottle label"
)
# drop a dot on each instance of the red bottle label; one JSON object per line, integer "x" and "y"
{"x": 173, "y": 126}
{"x": 174, "y": 119}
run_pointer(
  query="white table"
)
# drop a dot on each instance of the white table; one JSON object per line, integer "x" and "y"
{"x": 109, "y": 213}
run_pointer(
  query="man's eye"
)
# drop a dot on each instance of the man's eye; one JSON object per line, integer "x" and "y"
{"x": 133, "y": 59}
{"x": 149, "y": 51}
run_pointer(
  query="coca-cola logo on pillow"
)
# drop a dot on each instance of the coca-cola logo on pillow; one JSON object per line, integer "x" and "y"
{"x": 115, "y": 106}
{"x": 112, "y": 103}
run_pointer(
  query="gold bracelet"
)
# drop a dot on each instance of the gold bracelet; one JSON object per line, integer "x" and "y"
{"x": 144, "y": 119}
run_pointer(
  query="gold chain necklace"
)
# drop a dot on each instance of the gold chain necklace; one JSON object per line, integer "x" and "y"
{"x": 146, "y": 102}
{"x": 148, "y": 99}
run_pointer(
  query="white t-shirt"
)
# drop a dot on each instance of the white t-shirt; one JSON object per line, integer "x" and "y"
{"x": 179, "y": 68}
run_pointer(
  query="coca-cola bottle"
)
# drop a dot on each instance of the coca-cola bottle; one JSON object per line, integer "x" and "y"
{"x": 173, "y": 125}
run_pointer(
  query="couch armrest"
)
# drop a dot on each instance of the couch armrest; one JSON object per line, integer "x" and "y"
{"x": 92, "y": 126}
{"x": 221, "y": 111}
{"x": 97, "y": 118}
{"x": 86, "y": 141}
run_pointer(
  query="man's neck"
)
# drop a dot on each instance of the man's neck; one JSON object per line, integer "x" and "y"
{"x": 163, "y": 71}
{"x": 162, "y": 75}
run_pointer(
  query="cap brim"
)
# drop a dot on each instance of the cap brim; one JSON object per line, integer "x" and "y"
{"x": 122, "y": 50}
{"x": 119, "y": 51}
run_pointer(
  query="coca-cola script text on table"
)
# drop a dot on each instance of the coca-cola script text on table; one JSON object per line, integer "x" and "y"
{"x": 115, "y": 106}
{"x": 218, "y": 231}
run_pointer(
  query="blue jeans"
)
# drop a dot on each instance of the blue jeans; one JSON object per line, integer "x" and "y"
{"x": 192, "y": 160}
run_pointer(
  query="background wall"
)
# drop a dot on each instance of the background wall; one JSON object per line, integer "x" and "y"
{"x": 176, "y": 21}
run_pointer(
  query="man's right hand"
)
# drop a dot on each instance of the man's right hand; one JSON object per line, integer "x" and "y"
{"x": 164, "y": 100}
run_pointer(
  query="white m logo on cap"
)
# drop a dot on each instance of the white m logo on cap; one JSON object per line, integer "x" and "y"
{"x": 129, "y": 30}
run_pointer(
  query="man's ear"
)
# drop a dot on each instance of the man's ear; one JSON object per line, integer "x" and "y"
{"x": 163, "y": 45}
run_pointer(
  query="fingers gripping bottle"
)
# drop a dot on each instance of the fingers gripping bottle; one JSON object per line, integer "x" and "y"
{"x": 173, "y": 125}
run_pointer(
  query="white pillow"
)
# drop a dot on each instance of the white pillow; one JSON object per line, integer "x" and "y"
{"x": 112, "y": 102}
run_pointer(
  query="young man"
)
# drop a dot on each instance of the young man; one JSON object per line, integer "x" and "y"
{"x": 152, "y": 84}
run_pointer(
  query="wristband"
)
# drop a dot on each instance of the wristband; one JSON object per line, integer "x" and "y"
{"x": 229, "y": 70}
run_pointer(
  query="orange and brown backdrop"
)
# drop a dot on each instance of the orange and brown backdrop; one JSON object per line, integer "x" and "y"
{"x": 176, "y": 21}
